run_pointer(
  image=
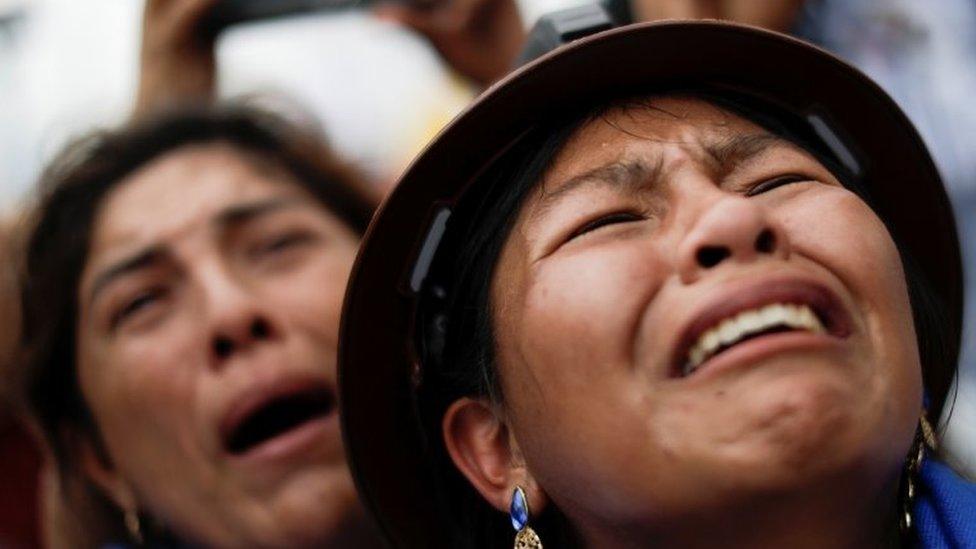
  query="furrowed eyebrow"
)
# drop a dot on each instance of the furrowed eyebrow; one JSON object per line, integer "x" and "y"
{"x": 629, "y": 175}
{"x": 738, "y": 148}
{"x": 135, "y": 262}
{"x": 638, "y": 173}
{"x": 236, "y": 215}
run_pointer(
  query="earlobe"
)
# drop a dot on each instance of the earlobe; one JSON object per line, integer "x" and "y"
{"x": 481, "y": 447}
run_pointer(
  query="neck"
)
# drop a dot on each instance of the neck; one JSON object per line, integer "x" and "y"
{"x": 816, "y": 518}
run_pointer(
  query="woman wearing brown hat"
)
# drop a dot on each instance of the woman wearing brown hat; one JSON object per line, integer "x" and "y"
{"x": 671, "y": 285}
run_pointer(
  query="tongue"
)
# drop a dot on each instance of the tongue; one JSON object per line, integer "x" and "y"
{"x": 277, "y": 418}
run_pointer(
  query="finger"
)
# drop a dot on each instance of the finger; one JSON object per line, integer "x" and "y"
{"x": 156, "y": 7}
{"x": 190, "y": 12}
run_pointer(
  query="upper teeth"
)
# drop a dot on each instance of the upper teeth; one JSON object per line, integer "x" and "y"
{"x": 749, "y": 322}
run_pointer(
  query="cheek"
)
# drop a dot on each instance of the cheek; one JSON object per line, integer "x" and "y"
{"x": 566, "y": 358}
{"x": 144, "y": 397}
{"x": 568, "y": 342}
{"x": 852, "y": 241}
{"x": 857, "y": 248}
{"x": 145, "y": 379}
{"x": 311, "y": 297}
{"x": 581, "y": 310}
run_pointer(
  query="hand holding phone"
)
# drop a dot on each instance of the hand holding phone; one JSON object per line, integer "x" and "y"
{"x": 480, "y": 39}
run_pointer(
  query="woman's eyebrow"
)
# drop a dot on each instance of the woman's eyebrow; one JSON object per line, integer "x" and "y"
{"x": 135, "y": 262}
{"x": 738, "y": 148}
{"x": 638, "y": 173}
{"x": 234, "y": 215}
{"x": 242, "y": 213}
{"x": 628, "y": 175}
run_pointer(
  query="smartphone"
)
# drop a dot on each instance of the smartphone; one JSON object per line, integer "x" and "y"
{"x": 231, "y": 12}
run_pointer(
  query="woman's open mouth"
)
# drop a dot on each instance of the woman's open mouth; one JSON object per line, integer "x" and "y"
{"x": 275, "y": 416}
{"x": 775, "y": 308}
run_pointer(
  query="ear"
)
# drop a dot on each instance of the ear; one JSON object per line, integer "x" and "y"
{"x": 96, "y": 466}
{"x": 483, "y": 450}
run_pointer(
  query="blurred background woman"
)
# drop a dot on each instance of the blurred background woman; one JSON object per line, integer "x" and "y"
{"x": 184, "y": 277}
{"x": 198, "y": 154}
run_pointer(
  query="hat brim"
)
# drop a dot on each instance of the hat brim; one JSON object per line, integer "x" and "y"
{"x": 384, "y": 440}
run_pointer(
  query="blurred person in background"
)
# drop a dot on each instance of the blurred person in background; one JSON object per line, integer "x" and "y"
{"x": 184, "y": 276}
{"x": 106, "y": 498}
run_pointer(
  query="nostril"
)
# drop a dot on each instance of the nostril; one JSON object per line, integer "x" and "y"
{"x": 260, "y": 330}
{"x": 223, "y": 347}
{"x": 766, "y": 242}
{"x": 710, "y": 256}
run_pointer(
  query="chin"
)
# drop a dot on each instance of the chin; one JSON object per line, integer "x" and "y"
{"x": 803, "y": 426}
{"x": 315, "y": 510}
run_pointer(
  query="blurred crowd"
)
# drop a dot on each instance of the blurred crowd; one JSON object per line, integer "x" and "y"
{"x": 378, "y": 80}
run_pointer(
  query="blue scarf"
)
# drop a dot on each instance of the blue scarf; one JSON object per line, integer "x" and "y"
{"x": 945, "y": 510}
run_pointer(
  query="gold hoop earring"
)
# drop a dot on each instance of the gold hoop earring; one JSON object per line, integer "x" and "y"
{"x": 924, "y": 437}
{"x": 133, "y": 525}
{"x": 525, "y": 537}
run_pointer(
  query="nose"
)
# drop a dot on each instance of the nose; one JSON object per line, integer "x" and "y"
{"x": 226, "y": 342}
{"x": 733, "y": 229}
{"x": 239, "y": 319}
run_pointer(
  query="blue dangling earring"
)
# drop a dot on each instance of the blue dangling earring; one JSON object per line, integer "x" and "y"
{"x": 525, "y": 537}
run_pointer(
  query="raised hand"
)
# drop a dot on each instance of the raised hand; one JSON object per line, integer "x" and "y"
{"x": 480, "y": 39}
{"x": 177, "y": 63}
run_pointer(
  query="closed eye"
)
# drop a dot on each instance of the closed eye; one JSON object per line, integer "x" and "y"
{"x": 281, "y": 243}
{"x": 603, "y": 221}
{"x": 776, "y": 182}
{"x": 140, "y": 302}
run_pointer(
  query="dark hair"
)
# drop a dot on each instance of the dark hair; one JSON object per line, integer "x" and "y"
{"x": 456, "y": 334}
{"x": 456, "y": 323}
{"x": 9, "y": 313}
{"x": 71, "y": 191}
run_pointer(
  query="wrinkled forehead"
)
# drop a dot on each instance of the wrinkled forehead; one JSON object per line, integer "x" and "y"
{"x": 184, "y": 188}
{"x": 184, "y": 192}
{"x": 645, "y": 126}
